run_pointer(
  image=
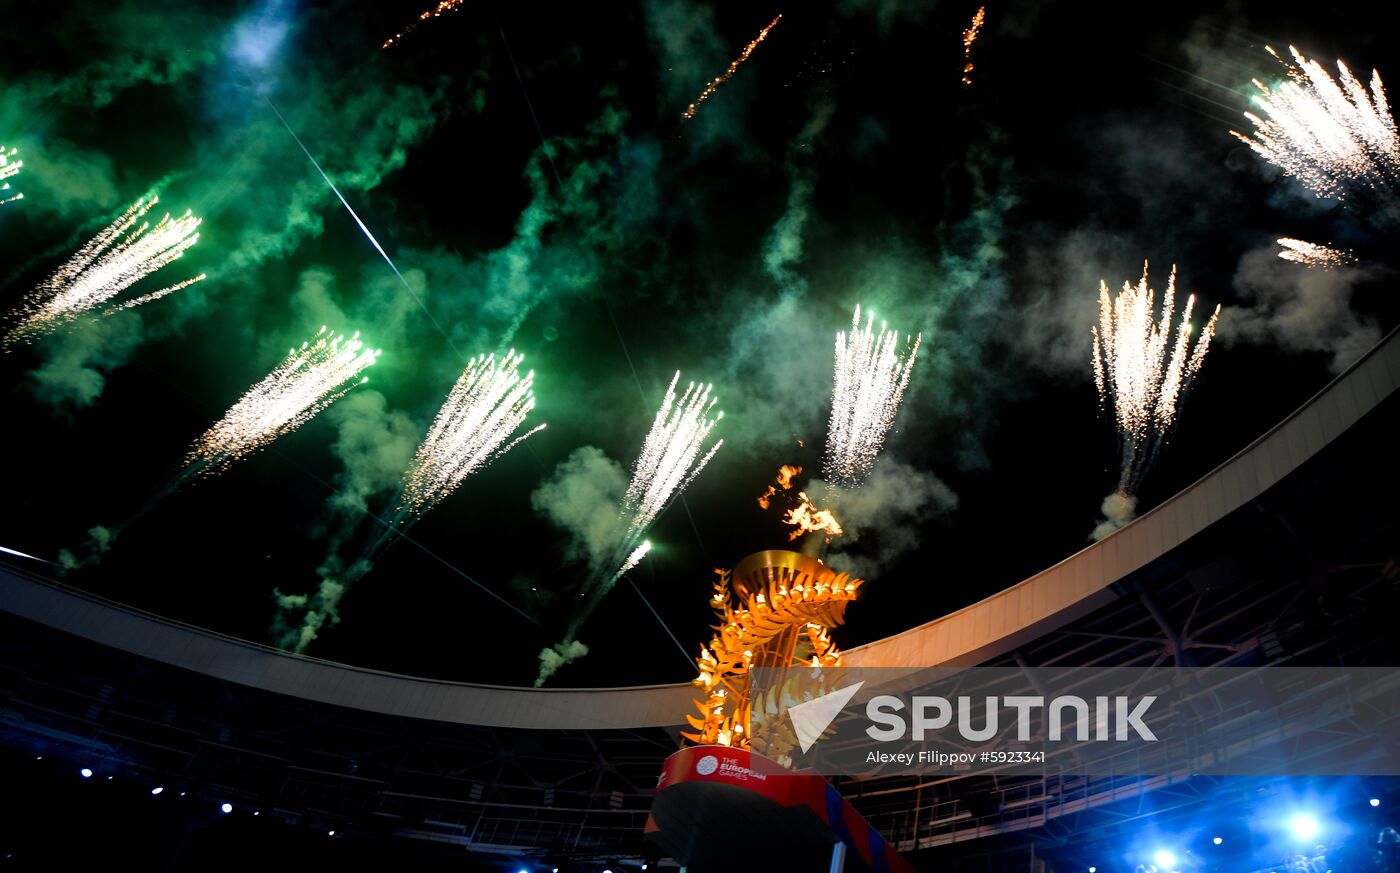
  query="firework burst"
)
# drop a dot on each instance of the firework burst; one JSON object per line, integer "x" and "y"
{"x": 871, "y": 374}
{"x": 9, "y": 167}
{"x": 308, "y": 380}
{"x": 1312, "y": 254}
{"x": 1329, "y": 134}
{"x": 714, "y": 83}
{"x": 969, "y": 36}
{"x": 128, "y": 250}
{"x": 669, "y": 461}
{"x": 1141, "y": 371}
{"x": 667, "y": 464}
{"x": 489, "y": 402}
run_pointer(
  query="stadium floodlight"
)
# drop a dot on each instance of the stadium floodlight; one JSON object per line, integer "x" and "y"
{"x": 1304, "y": 826}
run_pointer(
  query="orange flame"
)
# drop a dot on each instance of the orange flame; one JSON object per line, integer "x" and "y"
{"x": 808, "y": 518}
{"x": 784, "y": 481}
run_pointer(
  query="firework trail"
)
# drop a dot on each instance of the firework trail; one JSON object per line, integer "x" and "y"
{"x": 486, "y": 406}
{"x": 436, "y": 12}
{"x": 871, "y": 374}
{"x": 635, "y": 558}
{"x": 114, "y": 260}
{"x": 714, "y": 83}
{"x": 670, "y": 459}
{"x": 969, "y": 36}
{"x": 1312, "y": 254}
{"x": 1141, "y": 371}
{"x": 308, "y": 380}
{"x": 9, "y": 167}
{"x": 1330, "y": 135}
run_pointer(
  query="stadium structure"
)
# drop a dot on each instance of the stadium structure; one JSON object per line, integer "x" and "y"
{"x": 1286, "y": 554}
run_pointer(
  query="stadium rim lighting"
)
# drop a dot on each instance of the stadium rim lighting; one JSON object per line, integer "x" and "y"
{"x": 1164, "y": 859}
{"x": 1304, "y": 826}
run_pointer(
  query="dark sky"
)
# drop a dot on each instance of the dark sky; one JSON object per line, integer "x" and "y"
{"x": 844, "y": 163}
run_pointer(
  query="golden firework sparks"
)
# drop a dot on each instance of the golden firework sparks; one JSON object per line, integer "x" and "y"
{"x": 1312, "y": 254}
{"x": 871, "y": 373}
{"x": 437, "y": 11}
{"x": 308, "y": 380}
{"x": 489, "y": 403}
{"x": 784, "y": 482}
{"x": 1328, "y": 134}
{"x": 714, "y": 83}
{"x": 969, "y": 36}
{"x": 9, "y": 168}
{"x": 808, "y": 518}
{"x": 114, "y": 260}
{"x": 1140, "y": 370}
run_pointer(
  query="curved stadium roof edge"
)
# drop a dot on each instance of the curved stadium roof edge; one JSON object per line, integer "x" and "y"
{"x": 981, "y": 631}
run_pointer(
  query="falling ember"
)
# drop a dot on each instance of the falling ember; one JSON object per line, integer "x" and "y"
{"x": 733, "y": 67}
{"x": 489, "y": 403}
{"x": 784, "y": 482}
{"x": 969, "y": 36}
{"x": 114, "y": 260}
{"x": 871, "y": 374}
{"x": 1141, "y": 371}
{"x": 436, "y": 12}
{"x": 311, "y": 378}
{"x": 807, "y": 518}
{"x": 1312, "y": 254}
{"x": 9, "y": 167}
{"x": 1328, "y": 134}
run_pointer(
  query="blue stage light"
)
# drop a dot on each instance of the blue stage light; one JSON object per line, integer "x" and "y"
{"x": 1164, "y": 859}
{"x": 1375, "y": 801}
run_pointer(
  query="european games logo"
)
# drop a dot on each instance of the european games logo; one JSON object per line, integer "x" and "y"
{"x": 707, "y": 765}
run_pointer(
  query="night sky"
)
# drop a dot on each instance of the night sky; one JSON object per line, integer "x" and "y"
{"x": 844, "y": 163}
